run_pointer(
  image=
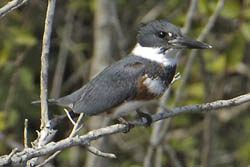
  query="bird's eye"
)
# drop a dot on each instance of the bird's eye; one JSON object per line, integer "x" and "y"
{"x": 162, "y": 34}
{"x": 166, "y": 35}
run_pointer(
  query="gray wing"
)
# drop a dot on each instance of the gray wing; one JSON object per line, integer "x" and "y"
{"x": 116, "y": 84}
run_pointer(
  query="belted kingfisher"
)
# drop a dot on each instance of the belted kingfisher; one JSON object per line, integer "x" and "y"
{"x": 140, "y": 77}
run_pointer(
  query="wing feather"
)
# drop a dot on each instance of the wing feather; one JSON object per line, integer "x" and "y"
{"x": 113, "y": 86}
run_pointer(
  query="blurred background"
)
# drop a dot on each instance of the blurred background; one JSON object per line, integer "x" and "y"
{"x": 87, "y": 36}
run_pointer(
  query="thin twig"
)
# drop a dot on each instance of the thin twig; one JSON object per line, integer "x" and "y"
{"x": 74, "y": 131}
{"x": 26, "y": 133}
{"x": 191, "y": 11}
{"x": 148, "y": 158}
{"x": 69, "y": 117}
{"x": 77, "y": 125}
{"x": 13, "y": 152}
{"x": 176, "y": 78}
{"x": 11, "y": 6}
{"x": 158, "y": 157}
{"x": 100, "y": 153}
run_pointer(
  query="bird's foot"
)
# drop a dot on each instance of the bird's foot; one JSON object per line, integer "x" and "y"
{"x": 128, "y": 124}
{"x": 146, "y": 116}
{"x": 71, "y": 116}
{"x": 176, "y": 78}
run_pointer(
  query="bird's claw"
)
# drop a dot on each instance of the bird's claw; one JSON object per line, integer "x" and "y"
{"x": 128, "y": 124}
{"x": 146, "y": 116}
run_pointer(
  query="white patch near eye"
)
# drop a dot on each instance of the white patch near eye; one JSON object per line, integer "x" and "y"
{"x": 170, "y": 34}
{"x": 155, "y": 85}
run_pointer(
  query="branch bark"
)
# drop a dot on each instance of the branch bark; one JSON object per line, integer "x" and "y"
{"x": 45, "y": 62}
{"x": 18, "y": 158}
{"x": 11, "y": 6}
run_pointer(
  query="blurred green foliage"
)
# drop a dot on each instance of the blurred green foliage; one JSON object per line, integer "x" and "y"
{"x": 21, "y": 34}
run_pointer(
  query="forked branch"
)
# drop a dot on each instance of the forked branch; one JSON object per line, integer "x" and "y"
{"x": 52, "y": 147}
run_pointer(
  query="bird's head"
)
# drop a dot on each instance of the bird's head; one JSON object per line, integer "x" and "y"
{"x": 161, "y": 38}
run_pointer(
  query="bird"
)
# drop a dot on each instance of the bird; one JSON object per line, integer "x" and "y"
{"x": 140, "y": 77}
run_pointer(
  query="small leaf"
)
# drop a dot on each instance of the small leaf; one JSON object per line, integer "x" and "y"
{"x": 245, "y": 29}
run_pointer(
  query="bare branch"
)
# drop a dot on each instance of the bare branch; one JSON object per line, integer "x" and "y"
{"x": 69, "y": 117}
{"x": 148, "y": 158}
{"x": 77, "y": 125}
{"x": 203, "y": 107}
{"x": 100, "y": 153}
{"x": 45, "y": 62}
{"x": 26, "y": 133}
{"x": 11, "y": 6}
{"x": 75, "y": 129}
{"x": 176, "y": 78}
{"x": 158, "y": 157}
{"x": 47, "y": 133}
{"x": 12, "y": 154}
{"x": 50, "y": 148}
{"x": 189, "y": 18}
{"x": 202, "y": 36}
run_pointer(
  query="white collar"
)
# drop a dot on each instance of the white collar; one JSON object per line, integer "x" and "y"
{"x": 155, "y": 54}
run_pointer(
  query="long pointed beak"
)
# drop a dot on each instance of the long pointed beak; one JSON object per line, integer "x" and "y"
{"x": 181, "y": 43}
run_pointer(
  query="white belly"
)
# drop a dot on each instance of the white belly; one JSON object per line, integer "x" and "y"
{"x": 155, "y": 86}
{"x": 128, "y": 107}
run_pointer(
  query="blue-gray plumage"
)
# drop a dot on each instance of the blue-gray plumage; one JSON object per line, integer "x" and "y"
{"x": 142, "y": 76}
{"x": 117, "y": 84}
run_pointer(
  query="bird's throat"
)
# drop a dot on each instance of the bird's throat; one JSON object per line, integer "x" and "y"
{"x": 167, "y": 58}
